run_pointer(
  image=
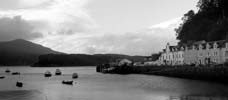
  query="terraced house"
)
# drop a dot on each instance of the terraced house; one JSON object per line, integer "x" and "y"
{"x": 197, "y": 53}
{"x": 172, "y": 55}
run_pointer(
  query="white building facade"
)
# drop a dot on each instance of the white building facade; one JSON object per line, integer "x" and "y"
{"x": 197, "y": 53}
{"x": 172, "y": 55}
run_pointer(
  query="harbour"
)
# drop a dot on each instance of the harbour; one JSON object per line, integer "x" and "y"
{"x": 91, "y": 85}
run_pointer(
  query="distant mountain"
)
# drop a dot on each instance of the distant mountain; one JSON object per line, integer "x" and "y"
{"x": 22, "y": 52}
{"x": 51, "y": 60}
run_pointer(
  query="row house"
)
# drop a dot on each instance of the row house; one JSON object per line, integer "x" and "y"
{"x": 198, "y": 53}
{"x": 202, "y": 53}
{"x": 172, "y": 55}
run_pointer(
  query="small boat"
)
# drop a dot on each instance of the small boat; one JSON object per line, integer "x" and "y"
{"x": 7, "y": 70}
{"x": 75, "y": 75}
{"x": 19, "y": 84}
{"x": 47, "y": 74}
{"x": 16, "y": 73}
{"x": 67, "y": 82}
{"x": 1, "y": 77}
{"x": 58, "y": 72}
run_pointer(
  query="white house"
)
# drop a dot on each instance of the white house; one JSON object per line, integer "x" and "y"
{"x": 197, "y": 53}
{"x": 124, "y": 61}
{"x": 172, "y": 55}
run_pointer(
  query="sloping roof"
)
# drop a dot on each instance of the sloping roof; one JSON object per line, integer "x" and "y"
{"x": 221, "y": 43}
{"x": 172, "y": 47}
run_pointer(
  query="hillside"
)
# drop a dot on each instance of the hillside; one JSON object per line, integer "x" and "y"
{"x": 209, "y": 23}
{"x": 21, "y": 52}
{"x": 80, "y": 59}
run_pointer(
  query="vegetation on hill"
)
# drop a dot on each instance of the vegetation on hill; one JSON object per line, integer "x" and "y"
{"x": 210, "y": 23}
{"x": 21, "y": 52}
{"x": 24, "y": 53}
{"x": 51, "y": 60}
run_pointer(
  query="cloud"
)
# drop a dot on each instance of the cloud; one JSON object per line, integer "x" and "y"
{"x": 9, "y": 4}
{"x": 21, "y": 4}
{"x": 55, "y": 16}
{"x": 144, "y": 42}
{"x": 173, "y": 23}
{"x": 16, "y": 28}
{"x": 66, "y": 26}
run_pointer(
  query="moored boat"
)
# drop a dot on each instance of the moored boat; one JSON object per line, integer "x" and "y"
{"x": 47, "y": 74}
{"x": 16, "y": 73}
{"x": 75, "y": 75}
{"x": 67, "y": 82}
{"x": 19, "y": 84}
{"x": 7, "y": 70}
{"x": 58, "y": 72}
{"x": 2, "y": 77}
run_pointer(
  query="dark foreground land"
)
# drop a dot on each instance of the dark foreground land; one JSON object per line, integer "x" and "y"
{"x": 209, "y": 73}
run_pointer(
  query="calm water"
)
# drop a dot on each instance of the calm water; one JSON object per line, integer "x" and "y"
{"x": 96, "y": 86}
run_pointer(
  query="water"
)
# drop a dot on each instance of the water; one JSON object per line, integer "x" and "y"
{"x": 96, "y": 86}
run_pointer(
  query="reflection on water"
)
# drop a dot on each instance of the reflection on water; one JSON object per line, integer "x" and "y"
{"x": 96, "y": 86}
{"x": 22, "y": 95}
{"x": 197, "y": 98}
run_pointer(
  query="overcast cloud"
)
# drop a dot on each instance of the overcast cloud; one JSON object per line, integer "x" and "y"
{"x": 71, "y": 26}
{"x": 16, "y": 28}
{"x": 144, "y": 42}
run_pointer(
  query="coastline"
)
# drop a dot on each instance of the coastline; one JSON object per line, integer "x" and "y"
{"x": 206, "y": 73}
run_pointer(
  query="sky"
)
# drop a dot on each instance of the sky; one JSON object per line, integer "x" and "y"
{"x": 132, "y": 27}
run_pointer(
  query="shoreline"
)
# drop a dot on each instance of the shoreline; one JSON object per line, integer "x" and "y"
{"x": 206, "y": 73}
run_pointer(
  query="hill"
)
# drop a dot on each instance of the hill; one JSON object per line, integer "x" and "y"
{"x": 80, "y": 59}
{"x": 209, "y": 23}
{"x": 21, "y": 52}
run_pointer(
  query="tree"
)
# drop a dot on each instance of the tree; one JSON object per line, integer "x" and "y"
{"x": 209, "y": 23}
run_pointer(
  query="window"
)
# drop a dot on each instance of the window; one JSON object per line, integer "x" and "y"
{"x": 216, "y": 53}
{"x": 208, "y": 46}
{"x": 215, "y": 45}
{"x": 226, "y": 53}
{"x": 200, "y": 54}
{"x": 200, "y": 47}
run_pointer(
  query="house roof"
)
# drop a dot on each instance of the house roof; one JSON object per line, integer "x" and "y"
{"x": 221, "y": 43}
{"x": 203, "y": 43}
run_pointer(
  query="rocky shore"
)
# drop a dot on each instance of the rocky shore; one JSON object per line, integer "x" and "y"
{"x": 208, "y": 73}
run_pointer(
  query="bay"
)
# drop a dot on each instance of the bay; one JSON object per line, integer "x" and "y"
{"x": 96, "y": 86}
